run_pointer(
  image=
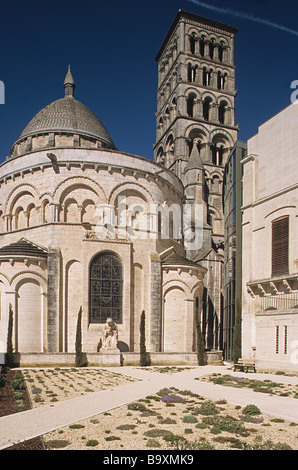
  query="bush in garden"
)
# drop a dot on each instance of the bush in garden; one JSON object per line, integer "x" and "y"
{"x": 251, "y": 410}
{"x": 79, "y": 355}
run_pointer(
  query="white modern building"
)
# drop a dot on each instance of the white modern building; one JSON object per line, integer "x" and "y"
{"x": 269, "y": 244}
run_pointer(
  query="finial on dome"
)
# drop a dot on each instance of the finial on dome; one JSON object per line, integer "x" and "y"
{"x": 69, "y": 83}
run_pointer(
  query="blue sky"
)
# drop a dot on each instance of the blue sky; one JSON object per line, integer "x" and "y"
{"x": 111, "y": 47}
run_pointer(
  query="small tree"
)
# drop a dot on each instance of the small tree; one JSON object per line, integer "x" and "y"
{"x": 200, "y": 345}
{"x": 143, "y": 352}
{"x": 79, "y": 354}
{"x": 237, "y": 332}
{"x": 9, "y": 338}
{"x": 200, "y": 340}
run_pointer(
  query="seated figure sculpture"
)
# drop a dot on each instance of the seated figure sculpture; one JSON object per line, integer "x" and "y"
{"x": 110, "y": 334}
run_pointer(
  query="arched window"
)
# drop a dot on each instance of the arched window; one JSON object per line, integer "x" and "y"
{"x": 222, "y": 111}
{"x": 191, "y": 73}
{"x": 217, "y": 154}
{"x": 211, "y": 48}
{"x": 202, "y": 45}
{"x": 192, "y": 43}
{"x": 221, "y": 51}
{"x": 105, "y": 288}
{"x": 206, "y": 108}
{"x": 221, "y": 80}
{"x": 190, "y": 104}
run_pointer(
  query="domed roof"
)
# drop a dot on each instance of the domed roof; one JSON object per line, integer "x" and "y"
{"x": 70, "y": 116}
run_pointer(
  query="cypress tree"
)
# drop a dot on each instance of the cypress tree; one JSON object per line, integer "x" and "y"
{"x": 143, "y": 352}
{"x": 200, "y": 345}
{"x": 237, "y": 332}
{"x": 79, "y": 354}
{"x": 9, "y": 338}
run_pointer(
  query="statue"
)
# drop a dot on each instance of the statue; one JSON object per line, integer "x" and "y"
{"x": 110, "y": 334}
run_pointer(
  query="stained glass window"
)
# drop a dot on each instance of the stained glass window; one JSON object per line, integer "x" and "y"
{"x": 105, "y": 295}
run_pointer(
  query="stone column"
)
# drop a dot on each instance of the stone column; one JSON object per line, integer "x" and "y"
{"x": 54, "y": 261}
{"x": 155, "y": 316}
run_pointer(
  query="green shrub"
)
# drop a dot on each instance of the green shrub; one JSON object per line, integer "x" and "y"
{"x": 17, "y": 382}
{"x": 57, "y": 444}
{"x": 202, "y": 444}
{"x": 112, "y": 438}
{"x": 189, "y": 419}
{"x": 207, "y": 408}
{"x": 158, "y": 433}
{"x": 92, "y": 443}
{"x": 76, "y": 426}
{"x": 3, "y": 380}
{"x": 137, "y": 407}
{"x": 126, "y": 427}
{"x": 152, "y": 443}
{"x": 251, "y": 410}
{"x": 219, "y": 424}
{"x": 188, "y": 431}
{"x": 18, "y": 395}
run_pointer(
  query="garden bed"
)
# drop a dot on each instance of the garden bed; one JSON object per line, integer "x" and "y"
{"x": 177, "y": 420}
{"x": 169, "y": 420}
{"x": 9, "y": 404}
{"x": 262, "y": 386}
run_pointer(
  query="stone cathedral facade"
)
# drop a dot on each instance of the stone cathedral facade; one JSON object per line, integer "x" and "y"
{"x": 84, "y": 225}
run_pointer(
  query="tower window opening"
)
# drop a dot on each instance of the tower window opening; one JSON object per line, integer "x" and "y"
{"x": 191, "y": 73}
{"x": 190, "y": 105}
{"x": 192, "y": 43}
{"x": 204, "y": 76}
{"x": 202, "y": 46}
{"x": 222, "y": 112}
{"x": 221, "y": 80}
{"x": 211, "y": 49}
{"x": 206, "y": 108}
{"x": 207, "y": 75}
{"x": 220, "y": 51}
{"x": 217, "y": 154}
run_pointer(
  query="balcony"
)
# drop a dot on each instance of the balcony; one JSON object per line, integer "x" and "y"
{"x": 276, "y": 293}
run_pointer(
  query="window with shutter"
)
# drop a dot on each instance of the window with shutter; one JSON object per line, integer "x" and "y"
{"x": 280, "y": 246}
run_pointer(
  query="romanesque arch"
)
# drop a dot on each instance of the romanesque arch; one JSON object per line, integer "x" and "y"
{"x": 73, "y": 302}
{"x": 174, "y": 318}
{"x": 29, "y": 310}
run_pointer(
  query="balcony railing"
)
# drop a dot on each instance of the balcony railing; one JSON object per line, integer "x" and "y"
{"x": 280, "y": 302}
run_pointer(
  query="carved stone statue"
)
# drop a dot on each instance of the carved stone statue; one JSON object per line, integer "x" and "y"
{"x": 110, "y": 334}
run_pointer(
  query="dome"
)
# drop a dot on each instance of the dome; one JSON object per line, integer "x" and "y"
{"x": 66, "y": 116}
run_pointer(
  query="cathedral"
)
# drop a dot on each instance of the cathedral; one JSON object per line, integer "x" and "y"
{"x": 86, "y": 226}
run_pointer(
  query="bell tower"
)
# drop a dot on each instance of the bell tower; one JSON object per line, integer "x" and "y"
{"x": 196, "y": 92}
{"x": 196, "y": 103}
{"x": 195, "y": 132}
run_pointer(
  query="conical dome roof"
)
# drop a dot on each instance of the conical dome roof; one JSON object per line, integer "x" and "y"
{"x": 67, "y": 115}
